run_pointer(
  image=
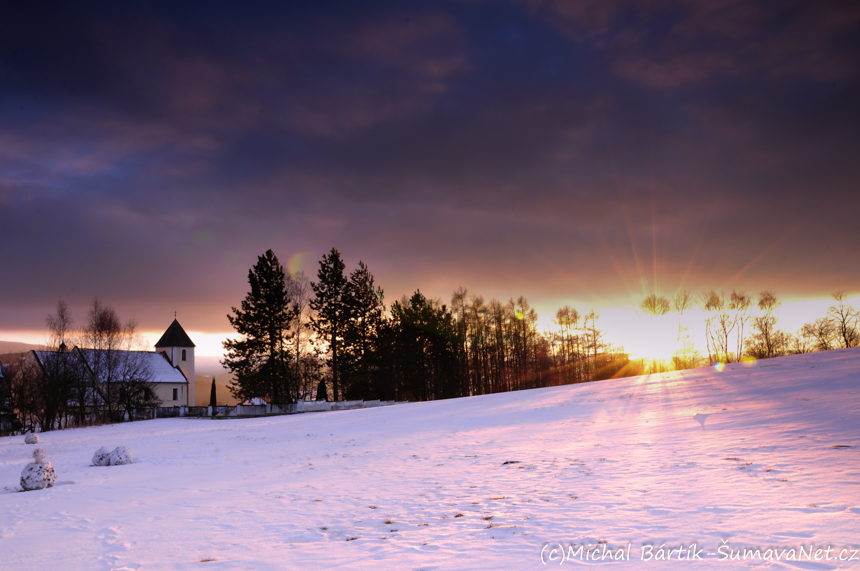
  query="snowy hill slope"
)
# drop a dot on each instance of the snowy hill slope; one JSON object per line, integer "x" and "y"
{"x": 492, "y": 482}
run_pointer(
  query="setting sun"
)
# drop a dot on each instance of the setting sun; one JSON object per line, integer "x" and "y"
{"x": 652, "y": 337}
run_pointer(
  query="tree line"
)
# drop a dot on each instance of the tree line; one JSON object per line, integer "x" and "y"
{"x": 333, "y": 338}
{"x": 733, "y": 330}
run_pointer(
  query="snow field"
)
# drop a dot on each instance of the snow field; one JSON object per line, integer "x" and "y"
{"x": 767, "y": 456}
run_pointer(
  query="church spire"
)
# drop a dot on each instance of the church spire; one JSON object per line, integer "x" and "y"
{"x": 175, "y": 336}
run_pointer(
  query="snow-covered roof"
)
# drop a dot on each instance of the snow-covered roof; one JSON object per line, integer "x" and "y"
{"x": 162, "y": 370}
{"x": 56, "y": 358}
{"x": 156, "y": 364}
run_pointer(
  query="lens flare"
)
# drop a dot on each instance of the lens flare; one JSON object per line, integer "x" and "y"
{"x": 749, "y": 362}
{"x": 296, "y": 263}
{"x": 719, "y": 366}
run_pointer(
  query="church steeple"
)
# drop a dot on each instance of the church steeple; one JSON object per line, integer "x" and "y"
{"x": 177, "y": 346}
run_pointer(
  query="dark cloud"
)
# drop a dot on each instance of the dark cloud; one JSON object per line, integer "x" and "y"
{"x": 565, "y": 151}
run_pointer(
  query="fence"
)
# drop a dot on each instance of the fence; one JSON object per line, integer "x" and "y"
{"x": 246, "y": 410}
{"x": 10, "y": 424}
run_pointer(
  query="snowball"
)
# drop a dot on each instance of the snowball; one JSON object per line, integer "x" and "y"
{"x": 31, "y": 439}
{"x": 116, "y": 457}
{"x": 101, "y": 457}
{"x": 39, "y": 474}
{"x": 120, "y": 455}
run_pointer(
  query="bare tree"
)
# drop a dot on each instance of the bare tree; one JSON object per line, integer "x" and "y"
{"x": 120, "y": 379}
{"x": 134, "y": 376}
{"x": 66, "y": 367}
{"x": 718, "y": 325}
{"x": 300, "y": 292}
{"x": 686, "y": 356}
{"x": 845, "y": 320}
{"x": 824, "y": 333}
{"x": 567, "y": 319}
{"x": 25, "y": 392}
{"x": 593, "y": 337}
{"x": 102, "y": 334}
{"x": 654, "y": 305}
{"x": 682, "y": 301}
{"x": 765, "y": 335}
{"x": 804, "y": 340}
{"x": 725, "y": 321}
{"x": 740, "y": 303}
{"x": 60, "y": 327}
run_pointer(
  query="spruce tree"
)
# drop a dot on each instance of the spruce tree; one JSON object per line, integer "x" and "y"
{"x": 360, "y": 363}
{"x": 332, "y": 310}
{"x": 212, "y": 401}
{"x": 322, "y": 393}
{"x": 425, "y": 344}
{"x": 260, "y": 357}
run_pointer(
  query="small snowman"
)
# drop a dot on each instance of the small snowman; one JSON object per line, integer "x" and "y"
{"x": 31, "y": 439}
{"x": 38, "y": 474}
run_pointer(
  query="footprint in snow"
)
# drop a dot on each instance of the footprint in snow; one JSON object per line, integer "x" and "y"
{"x": 700, "y": 418}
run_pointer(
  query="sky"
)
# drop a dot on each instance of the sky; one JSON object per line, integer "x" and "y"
{"x": 585, "y": 153}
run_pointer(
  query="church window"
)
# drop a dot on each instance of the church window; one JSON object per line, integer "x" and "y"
{"x": 183, "y": 354}
{"x": 175, "y": 394}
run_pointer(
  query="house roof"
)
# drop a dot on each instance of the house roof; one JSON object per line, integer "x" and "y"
{"x": 175, "y": 336}
{"x": 55, "y": 359}
{"x": 156, "y": 365}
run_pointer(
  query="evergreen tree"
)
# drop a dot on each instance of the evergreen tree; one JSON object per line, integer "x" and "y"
{"x": 426, "y": 349}
{"x": 260, "y": 359}
{"x": 212, "y": 401}
{"x": 360, "y": 351}
{"x": 332, "y": 310}
{"x": 322, "y": 393}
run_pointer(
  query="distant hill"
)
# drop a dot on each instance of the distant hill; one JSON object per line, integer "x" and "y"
{"x": 17, "y": 347}
{"x": 209, "y": 365}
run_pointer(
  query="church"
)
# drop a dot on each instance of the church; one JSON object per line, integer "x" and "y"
{"x": 170, "y": 368}
{"x": 177, "y": 349}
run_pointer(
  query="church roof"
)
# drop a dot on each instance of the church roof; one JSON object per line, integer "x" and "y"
{"x": 149, "y": 366}
{"x": 175, "y": 336}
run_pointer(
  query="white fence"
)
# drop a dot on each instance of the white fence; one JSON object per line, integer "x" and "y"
{"x": 246, "y": 410}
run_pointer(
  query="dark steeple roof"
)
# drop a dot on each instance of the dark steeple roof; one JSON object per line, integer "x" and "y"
{"x": 175, "y": 336}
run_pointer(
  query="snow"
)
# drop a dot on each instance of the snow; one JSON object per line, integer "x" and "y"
{"x": 767, "y": 456}
{"x": 31, "y": 438}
